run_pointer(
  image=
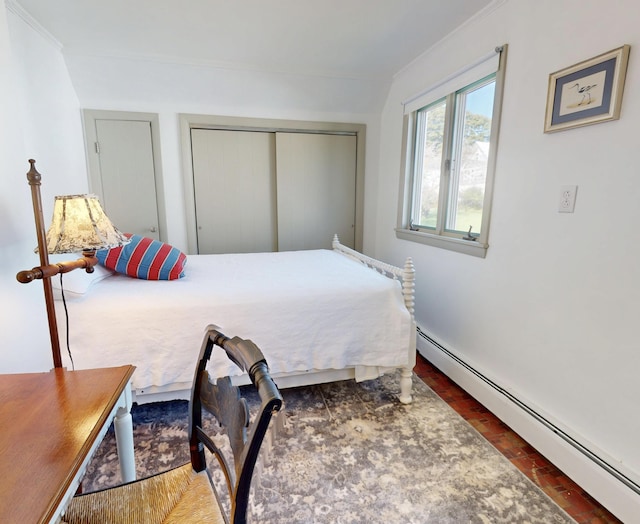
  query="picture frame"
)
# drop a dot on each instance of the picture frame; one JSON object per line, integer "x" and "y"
{"x": 588, "y": 92}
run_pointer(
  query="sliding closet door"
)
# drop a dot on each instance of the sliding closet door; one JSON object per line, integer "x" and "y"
{"x": 234, "y": 190}
{"x": 316, "y": 188}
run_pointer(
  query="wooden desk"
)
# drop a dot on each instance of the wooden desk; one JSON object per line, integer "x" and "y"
{"x": 50, "y": 425}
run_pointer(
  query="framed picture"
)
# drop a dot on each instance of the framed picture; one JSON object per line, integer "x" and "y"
{"x": 588, "y": 92}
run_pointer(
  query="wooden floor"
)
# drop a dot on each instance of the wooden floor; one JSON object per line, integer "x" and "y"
{"x": 566, "y": 493}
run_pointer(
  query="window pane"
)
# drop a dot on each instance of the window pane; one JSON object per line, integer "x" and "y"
{"x": 429, "y": 138}
{"x": 469, "y": 174}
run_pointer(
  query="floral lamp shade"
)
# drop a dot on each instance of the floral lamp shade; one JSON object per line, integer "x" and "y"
{"x": 80, "y": 224}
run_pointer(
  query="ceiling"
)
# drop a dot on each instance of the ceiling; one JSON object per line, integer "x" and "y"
{"x": 336, "y": 38}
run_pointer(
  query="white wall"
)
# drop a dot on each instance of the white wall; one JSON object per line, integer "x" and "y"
{"x": 550, "y": 314}
{"x": 169, "y": 89}
{"x": 40, "y": 119}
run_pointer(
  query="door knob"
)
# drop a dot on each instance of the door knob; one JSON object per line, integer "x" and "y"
{"x": 153, "y": 229}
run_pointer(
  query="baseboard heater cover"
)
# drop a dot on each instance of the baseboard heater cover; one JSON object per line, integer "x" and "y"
{"x": 533, "y": 413}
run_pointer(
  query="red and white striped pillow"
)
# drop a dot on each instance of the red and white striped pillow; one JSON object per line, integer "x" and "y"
{"x": 144, "y": 258}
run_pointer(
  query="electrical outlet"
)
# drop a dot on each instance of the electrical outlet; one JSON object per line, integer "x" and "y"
{"x": 567, "y": 199}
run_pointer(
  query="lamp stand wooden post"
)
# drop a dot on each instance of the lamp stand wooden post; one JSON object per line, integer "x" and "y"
{"x": 45, "y": 271}
{"x": 34, "y": 181}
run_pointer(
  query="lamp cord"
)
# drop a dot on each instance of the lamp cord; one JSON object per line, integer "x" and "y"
{"x": 66, "y": 316}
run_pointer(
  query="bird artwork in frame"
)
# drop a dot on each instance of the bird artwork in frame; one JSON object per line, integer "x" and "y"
{"x": 588, "y": 92}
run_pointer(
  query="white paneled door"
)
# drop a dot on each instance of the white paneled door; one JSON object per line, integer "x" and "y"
{"x": 122, "y": 172}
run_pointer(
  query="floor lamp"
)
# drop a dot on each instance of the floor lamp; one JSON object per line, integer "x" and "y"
{"x": 79, "y": 225}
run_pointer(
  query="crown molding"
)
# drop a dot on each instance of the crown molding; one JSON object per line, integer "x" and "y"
{"x": 15, "y": 8}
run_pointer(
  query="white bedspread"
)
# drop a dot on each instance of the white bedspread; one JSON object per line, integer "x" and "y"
{"x": 304, "y": 309}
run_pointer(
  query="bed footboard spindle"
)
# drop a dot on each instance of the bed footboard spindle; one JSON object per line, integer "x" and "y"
{"x": 408, "y": 292}
{"x": 409, "y": 285}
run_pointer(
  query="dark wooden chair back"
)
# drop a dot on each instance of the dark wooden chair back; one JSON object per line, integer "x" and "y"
{"x": 224, "y": 402}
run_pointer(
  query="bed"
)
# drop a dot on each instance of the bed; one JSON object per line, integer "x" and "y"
{"x": 318, "y": 316}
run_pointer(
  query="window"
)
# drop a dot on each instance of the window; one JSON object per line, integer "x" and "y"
{"x": 449, "y": 142}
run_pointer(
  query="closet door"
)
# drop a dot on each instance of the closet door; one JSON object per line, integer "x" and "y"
{"x": 234, "y": 190}
{"x": 122, "y": 171}
{"x": 316, "y": 189}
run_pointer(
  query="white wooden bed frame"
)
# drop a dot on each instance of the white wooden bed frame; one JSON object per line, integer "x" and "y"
{"x": 405, "y": 275}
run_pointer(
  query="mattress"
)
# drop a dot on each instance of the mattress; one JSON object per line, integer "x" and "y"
{"x": 314, "y": 309}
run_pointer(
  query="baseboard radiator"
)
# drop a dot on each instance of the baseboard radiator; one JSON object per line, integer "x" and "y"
{"x": 537, "y": 416}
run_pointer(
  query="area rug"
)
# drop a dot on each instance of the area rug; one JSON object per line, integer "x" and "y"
{"x": 352, "y": 453}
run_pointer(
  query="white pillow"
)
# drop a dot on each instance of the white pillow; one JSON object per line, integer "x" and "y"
{"x": 77, "y": 282}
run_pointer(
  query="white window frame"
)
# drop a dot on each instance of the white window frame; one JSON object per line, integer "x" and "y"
{"x": 447, "y": 88}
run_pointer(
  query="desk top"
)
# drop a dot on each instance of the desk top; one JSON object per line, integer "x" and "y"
{"x": 48, "y": 423}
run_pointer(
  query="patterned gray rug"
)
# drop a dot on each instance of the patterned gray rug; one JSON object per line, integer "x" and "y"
{"x": 350, "y": 453}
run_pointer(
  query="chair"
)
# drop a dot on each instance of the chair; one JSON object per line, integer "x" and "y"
{"x": 187, "y": 494}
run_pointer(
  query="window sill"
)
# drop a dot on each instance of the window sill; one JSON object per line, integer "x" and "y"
{"x": 467, "y": 247}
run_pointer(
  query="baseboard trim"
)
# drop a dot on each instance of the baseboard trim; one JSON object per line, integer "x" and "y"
{"x": 611, "y": 488}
